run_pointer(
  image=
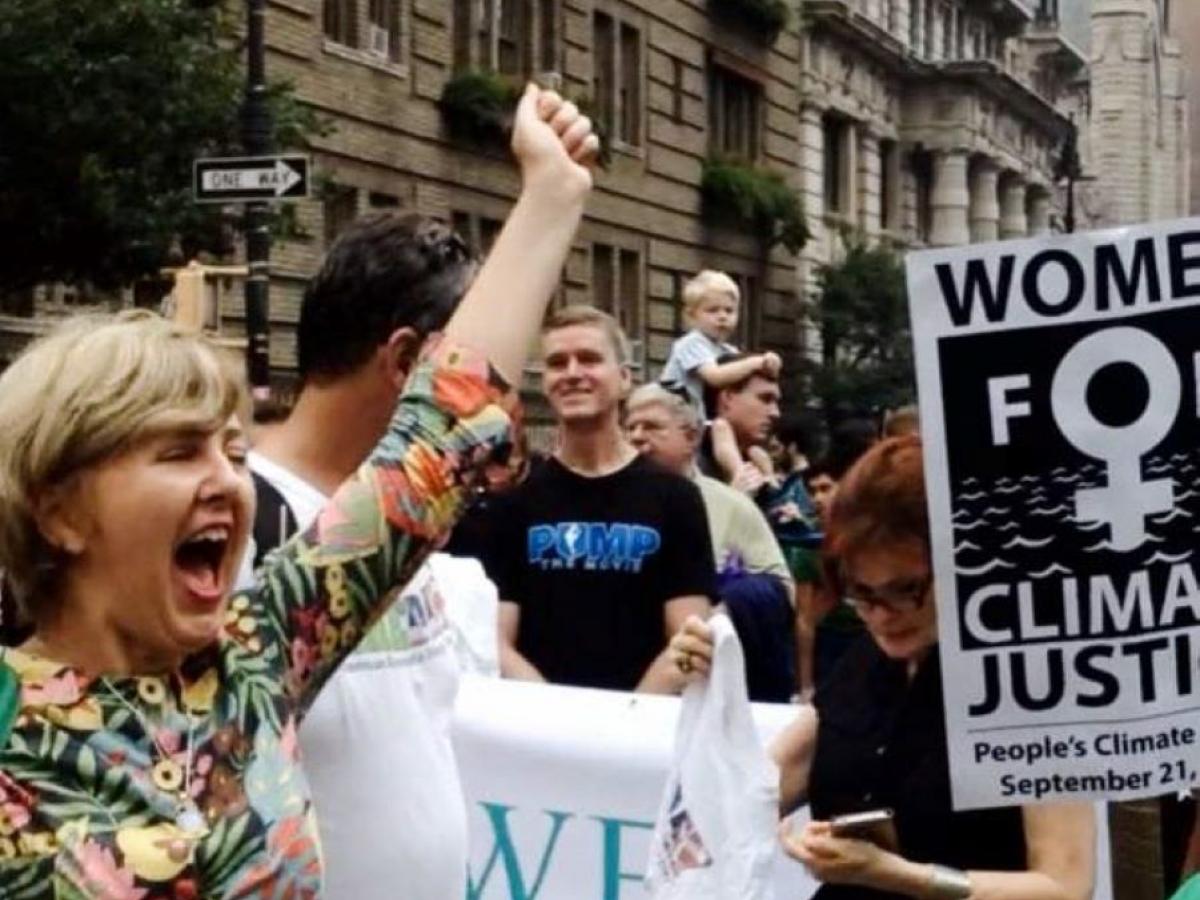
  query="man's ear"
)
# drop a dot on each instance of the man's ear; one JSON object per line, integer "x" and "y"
{"x": 626, "y": 380}
{"x": 400, "y": 353}
{"x": 59, "y": 517}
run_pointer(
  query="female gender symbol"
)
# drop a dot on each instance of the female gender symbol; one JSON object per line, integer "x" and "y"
{"x": 1127, "y": 500}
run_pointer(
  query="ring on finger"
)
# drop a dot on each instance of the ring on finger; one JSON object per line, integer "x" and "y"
{"x": 685, "y": 663}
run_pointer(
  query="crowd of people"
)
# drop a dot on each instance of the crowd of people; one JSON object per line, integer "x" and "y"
{"x": 228, "y": 632}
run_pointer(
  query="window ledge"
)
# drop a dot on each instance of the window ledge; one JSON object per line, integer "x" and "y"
{"x": 628, "y": 149}
{"x": 301, "y": 7}
{"x": 364, "y": 58}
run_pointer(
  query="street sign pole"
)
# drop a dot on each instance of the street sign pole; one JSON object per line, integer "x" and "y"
{"x": 256, "y": 137}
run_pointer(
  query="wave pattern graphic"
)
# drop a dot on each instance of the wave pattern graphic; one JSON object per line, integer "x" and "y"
{"x": 1023, "y": 525}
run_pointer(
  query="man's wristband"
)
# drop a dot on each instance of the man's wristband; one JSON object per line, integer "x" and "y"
{"x": 946, "y": 883}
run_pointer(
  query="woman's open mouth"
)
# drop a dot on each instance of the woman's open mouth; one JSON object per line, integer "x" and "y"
{"x": 200, "y": 561}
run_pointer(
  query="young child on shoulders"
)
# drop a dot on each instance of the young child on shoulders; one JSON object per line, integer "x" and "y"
{"x": 710, "y": 303}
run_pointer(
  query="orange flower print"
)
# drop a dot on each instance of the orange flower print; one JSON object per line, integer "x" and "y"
{"x": 461, "y": 390}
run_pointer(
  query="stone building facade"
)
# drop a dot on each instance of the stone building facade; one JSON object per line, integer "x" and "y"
{"x": 1139, "y": 124}
{"x": 922, "y": 122}
{"x": 1187, "y": 32}
{"x": 673, "y": 81}
{"x": 931, "y": 122}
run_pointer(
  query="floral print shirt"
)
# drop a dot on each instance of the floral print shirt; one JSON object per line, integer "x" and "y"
{"x": 95, "y": 773}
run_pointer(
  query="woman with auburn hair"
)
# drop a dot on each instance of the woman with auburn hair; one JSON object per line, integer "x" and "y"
{"x": 148, "y": 727}
{"x": 875, "y": 736}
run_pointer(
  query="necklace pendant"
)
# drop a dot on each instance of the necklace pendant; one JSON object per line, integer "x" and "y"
{"x": 189, "y": 819}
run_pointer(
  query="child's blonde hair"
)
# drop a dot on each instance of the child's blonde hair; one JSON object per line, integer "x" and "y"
{"x": 704, "y": 285}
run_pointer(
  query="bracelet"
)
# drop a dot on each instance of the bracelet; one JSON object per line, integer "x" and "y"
{"x": 946, "y": 883}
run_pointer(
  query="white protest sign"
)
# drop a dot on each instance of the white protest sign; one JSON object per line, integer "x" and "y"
{"x": 1061, "y": 427}
{"x": 564, "y": 784}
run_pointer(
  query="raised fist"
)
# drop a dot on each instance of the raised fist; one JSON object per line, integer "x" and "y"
{"x": 553, "y": 143}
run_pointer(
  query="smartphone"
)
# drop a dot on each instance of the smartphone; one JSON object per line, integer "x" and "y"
{"x": 876, "y": 826}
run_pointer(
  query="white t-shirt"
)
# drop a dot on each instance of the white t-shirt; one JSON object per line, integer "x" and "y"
{"x": 376, "y": 743}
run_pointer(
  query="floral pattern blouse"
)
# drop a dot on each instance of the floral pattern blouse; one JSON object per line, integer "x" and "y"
{"x": 189, "y": 785}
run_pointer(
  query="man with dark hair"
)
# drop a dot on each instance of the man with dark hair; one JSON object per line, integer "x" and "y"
{"x": 384, "y": 274}
{"x": 821, "y": 479}
{"x": 604, "y": 554}
{"x": 387, "y": 283}
{"x": 751, "y": 407}
{"x": 833, "y": 623}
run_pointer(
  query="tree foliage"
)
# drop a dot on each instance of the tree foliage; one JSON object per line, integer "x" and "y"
{"x": 861, "y": 314}
{"x": 104, "y": 105}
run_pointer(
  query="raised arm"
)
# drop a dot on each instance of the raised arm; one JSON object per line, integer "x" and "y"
{"x": 719, "y": 375}
{"x": 322, "y": 590}
{"x": 505, "y": 306}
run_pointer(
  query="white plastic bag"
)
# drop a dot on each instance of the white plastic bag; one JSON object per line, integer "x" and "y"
{"x": 716, "y": 832}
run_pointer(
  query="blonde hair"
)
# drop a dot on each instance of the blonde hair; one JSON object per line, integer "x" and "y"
{"x": 582, "y": 314}
{"x": 654, "y": 394}
{"x": 83, "y": 393}
{"x": 704, "y": 285}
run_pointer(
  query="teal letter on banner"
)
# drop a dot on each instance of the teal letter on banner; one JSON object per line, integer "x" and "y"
{"x": 613, "y": 876}
{"x": 498, "y": 816}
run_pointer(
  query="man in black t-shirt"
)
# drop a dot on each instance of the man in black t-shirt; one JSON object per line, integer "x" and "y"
{"x": 600, "y": 554}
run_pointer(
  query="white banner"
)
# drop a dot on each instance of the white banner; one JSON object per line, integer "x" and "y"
{"x": 564, "y": 784}
{"x": 1061, "y": 425}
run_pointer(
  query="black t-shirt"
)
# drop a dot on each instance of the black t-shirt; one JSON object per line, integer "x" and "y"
{"x": 592, "y": 561}
{"x": 881, "y": 742}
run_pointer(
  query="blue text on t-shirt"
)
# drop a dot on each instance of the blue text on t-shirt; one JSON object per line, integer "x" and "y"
{"x": 600, "y": 546}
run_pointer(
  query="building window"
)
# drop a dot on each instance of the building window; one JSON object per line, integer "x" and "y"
{"x": 617, "y": 77}
{"x": 922, "y": 170}
{"x": 960, "y": 36}
{"x": 838, "y": 164}
{"x": 889, "y": 193}
{"x": 747, "y": 329}
{"x": 464, "y": 12}
{"x": 734, "y": 114}
{"x": 914, "y": 25}
{"x": 478, "y": 231}
{"x": 380, "y": 200}
{"x": 512, "y": 33}
{"x": 947, "y": 32}
{"x": 513, "y": 37}
{"x": 930, "y": 27}
{"x": 617, "y": 286}
{"x": 341, "y": 208}
{"x": 548, "y": 28}
{"x": 892, "y": 14}
{"x": 341, "y": 21}
{"x": 677, "y": 88}
{"x": 383, "y": 29}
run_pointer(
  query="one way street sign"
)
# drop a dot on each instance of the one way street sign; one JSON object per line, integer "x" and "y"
{"x": 246, "y": 178}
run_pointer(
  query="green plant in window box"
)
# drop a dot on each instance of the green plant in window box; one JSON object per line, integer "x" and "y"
{"x": 768, "y": 17}
{"x": 753, "y": 199}
{"x": 478, "y": 105}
